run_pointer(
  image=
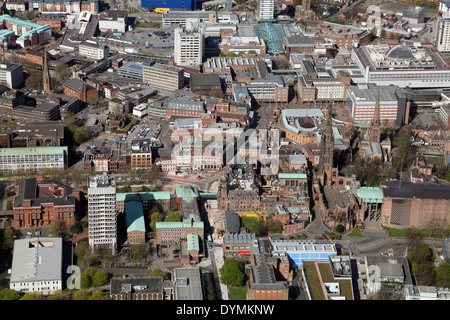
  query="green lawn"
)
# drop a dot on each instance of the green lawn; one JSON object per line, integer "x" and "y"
{"x": 355, "y": 233}
{"x": 437, "y": 234}
{"x": 238, "y": 293}
{"x": 249, "y": 223}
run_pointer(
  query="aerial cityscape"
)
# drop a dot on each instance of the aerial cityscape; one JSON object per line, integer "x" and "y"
{"x": 225, "y": 150}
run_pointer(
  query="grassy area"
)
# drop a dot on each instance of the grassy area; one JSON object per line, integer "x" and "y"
{"x": 238, "y": 293}
{"x": 151, "y": 24}
{"x": 423, "y": 233}
{"x": 249, "y": 223}
{"x": 327, "y": 276}
{"x": 314, "y": 280}
{"x": 355, "y": 232}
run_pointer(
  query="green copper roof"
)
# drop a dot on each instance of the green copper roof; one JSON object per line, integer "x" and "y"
{"x": 292, "y": 176}
{"x": 187, "y": 192}
{"x": 192, "y": 242}
{"x": 134, "y": 216}
{"x": 142, "y": 196}
{"x": 179, "y": 225}
{"x": 370, "y": 194}
{"x": 32, "y": 151}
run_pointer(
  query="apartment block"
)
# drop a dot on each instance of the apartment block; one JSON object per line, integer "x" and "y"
{"x": 265, "y": 10}
{"x": 102, "y": 213}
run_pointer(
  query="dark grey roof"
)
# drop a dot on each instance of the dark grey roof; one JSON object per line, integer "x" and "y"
{"x": 137, "y": 285}
{"x": 28, "y": 190}
{"x": 394, "y": 189}
{"x": 201, "y": 79}
{"x": 233, "y": 221}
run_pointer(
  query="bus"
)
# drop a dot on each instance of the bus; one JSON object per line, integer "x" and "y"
{"x": 161, "y": 10}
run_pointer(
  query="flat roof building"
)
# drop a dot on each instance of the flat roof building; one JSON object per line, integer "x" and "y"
{"x": 37, "y": 265}
{"x": 164, "y": 77}
{"x": 414, "y": 65}
{"x": 303, "y": 250}
{"x": 34, "y": 159}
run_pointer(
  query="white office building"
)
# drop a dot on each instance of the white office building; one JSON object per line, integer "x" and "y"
{"x": 11, "y": 75}
{"x": 34, "y": 159}
{"x": 443, "y": 33}
{"x": 93, "y": 50}
{"x": 188, "y": 47}
{"x": 265, "y": 9}
{"x": 37, "y": 265}
{"x": 303, "y": 250}
{"x": 102, "y": 213}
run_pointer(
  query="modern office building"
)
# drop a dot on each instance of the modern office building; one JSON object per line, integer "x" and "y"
{"x": 443, "y": 32}
{"x": 102, "y": 213}
{"x": 361, "y": 102}
{"x": 34, "y": 159}
{"x": 302, "y": 250}
{"x": 413, "y": 65}
{"x": 188, "y": 47}
{"x": 37, "y": 265}
{"x": 93, "y": 50}
{"x": 181, "y": 17}
{"x": 270, "y": 89}
{"x": 11, "y": 75}
{"x": 265, "y": 10}
{"x": 164, "y": 77}
{"x": 132, "y": 70}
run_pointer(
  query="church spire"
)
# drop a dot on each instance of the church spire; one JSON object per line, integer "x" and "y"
{"x": 46, "y": 75}
{"x": 375, "y": 126}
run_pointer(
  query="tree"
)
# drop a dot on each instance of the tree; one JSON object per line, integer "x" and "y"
{"x": 8, "y": 294}
{"x": 76, "y": 227}
{"x": 97, "y": 295}
{"x": 33, "y": 296}
{"x": 62, "y": 72}
{"x": 81, "y": 294}
{"x": 425, "y": 274}
{"x": 85, "y": 281}
{"x": 232, "y": 273}
{"x": 159, "y": 273}
{"x": 100, "y": 278}
{"x": 155, "y": 217}
{"x": 173, "y": 217}
{"x": 33, "y": 82}
{"x": 138, "y": 252}
{"x": 443, "y": 275}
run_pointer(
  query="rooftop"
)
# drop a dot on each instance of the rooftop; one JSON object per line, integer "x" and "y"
{"x": 37, "y": 259}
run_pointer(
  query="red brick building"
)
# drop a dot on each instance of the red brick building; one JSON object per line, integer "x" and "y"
{"x": 39, "y": 203}
{"x": 80, "y": 90}
{"x": 263, "y": 284}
